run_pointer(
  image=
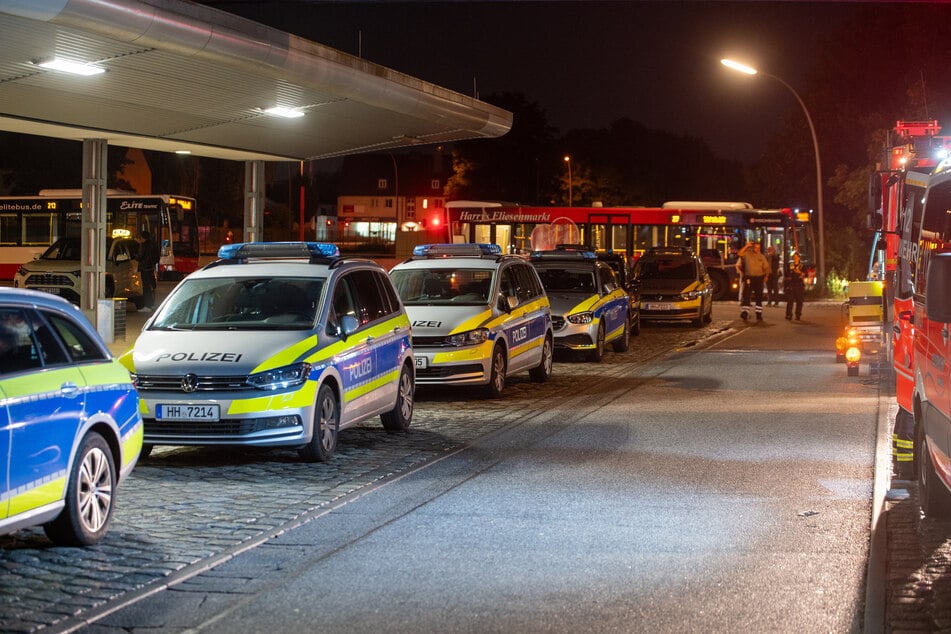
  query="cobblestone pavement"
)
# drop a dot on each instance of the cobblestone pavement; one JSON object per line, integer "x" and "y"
{"x": 918, "y": 566}
{"x": 185, "y": 509}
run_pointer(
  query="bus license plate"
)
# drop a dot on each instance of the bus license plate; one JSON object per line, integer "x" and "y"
{"x": 422, "y": 363}
{"x": 654, "y": 306}
{"x": 186, "y": 412}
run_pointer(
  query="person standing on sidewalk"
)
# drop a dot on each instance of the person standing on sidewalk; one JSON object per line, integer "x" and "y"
{"x": 795, "y": 288}
{"x": 772, "y": 282}
{"x": 148, "y": 258}
{"x": 754, "y": 267}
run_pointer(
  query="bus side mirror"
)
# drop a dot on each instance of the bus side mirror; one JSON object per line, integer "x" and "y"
{"x": 938, "y": 285}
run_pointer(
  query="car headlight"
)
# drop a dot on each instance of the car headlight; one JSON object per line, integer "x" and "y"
{"x": 686, "y": 297}
{"x": 280, "y": 378}
{"x": 581, "y": 318}
{"x": 470, "y": 338}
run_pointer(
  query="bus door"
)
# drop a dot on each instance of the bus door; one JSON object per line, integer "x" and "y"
{"x": 609, "y": 232}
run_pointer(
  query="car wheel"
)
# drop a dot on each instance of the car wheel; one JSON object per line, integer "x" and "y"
{"x": 933, "y": 497}
{"x": 622, "y": 343}
{"x": 542, "y": 371}
{"x": 90, "y": 496}
{"x": 597, "y": 354}
{"x": 636, "y": 324}
{"x": 323, "y": 440}
{"x": 146, "y": 451}
{"x": 709, "y": 316}
{"x": 496, "y": 374}
{"x": 719, "y": 284}
{"x": 398, "y": 418}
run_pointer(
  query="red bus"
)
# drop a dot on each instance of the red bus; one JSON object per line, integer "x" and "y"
{"x": 714, "y": 230}
{"x": 30, "y": 224}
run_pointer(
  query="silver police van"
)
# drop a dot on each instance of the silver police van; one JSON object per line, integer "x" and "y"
{"x": 274, "y": 344}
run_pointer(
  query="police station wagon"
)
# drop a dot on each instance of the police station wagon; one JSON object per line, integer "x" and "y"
{"x": 275, "y": 344}
{"x": 70, "y": 430}
{"x": 589, "y": 307}
{"x": 478, "y": 316}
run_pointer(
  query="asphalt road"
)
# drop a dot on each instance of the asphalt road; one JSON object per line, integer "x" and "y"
{"x": 724, "y": 485}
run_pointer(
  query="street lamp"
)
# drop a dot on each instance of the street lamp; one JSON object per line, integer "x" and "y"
{"x": 748, "y": 70}
{"x": 568, "y": 161}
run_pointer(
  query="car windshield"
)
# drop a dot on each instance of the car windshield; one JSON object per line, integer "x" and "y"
{"x": 242, "y": 303}
{"x": 422, "y": 287}
{"x": 668, "y": 268}
{"x": 571, "y": 280}
{"x": 63, "y": 250}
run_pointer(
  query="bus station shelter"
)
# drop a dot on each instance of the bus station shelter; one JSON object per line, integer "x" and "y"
{"x": 173, "y": 76}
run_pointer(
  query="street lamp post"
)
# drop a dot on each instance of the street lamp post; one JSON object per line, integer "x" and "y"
{"x": 748, "y": 70}
{"x": 568, "y": 161}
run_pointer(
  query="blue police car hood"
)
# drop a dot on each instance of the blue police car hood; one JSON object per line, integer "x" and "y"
{"x": 217, "y": 352}
{"x": 442, "y": 320}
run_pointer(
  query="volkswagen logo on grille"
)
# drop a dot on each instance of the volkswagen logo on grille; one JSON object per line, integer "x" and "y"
{"x": 189, "y": 383}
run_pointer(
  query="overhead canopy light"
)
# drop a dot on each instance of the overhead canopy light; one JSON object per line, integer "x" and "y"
{"x": 280, "y": 111}
{"x": 74, "y": 68}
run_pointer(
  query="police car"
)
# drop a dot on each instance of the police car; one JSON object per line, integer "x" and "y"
{"x": 589, "y": 307}
{"x": 70, "y": 430}
{"x": 275, "y": 344}
{"x": 478, "y": 316}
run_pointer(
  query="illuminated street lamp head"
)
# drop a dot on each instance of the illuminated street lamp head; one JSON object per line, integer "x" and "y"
{"x": 743, "y": 68}
{"x": 567, "y": 159}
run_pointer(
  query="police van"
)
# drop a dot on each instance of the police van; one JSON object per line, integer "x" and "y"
{"x": 932, "y": 347}
{"x": 589, "y": 307}
{"x": 274, "y": 344}
{"x": 478, "y": 316}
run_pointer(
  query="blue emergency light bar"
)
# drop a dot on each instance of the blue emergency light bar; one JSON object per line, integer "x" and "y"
{"x": 245, "y": 250}
{"x": 447, "y": 250}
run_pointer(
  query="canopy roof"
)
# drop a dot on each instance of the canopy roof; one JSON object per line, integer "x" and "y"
{"x": 185, "y": 77}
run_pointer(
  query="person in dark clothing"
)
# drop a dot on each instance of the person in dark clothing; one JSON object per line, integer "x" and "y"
{"x": 148, "y": 258}
{"x": 772, "y": 282}
{"x": 795, "y": 288}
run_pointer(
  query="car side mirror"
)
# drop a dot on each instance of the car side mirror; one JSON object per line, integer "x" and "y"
{"x": 508, "y": 302}
{"x": 347, "y": 326}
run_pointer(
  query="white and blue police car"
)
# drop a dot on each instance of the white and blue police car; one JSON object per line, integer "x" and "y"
{"x": 275, "y": 344}
{"x": 478, "y": 316}
{"x": 70, "y": 430}
{"x": 589, "y": 307}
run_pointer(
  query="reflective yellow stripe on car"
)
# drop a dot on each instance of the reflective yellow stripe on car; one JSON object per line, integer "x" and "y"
{"x": 365, "y": 388}
{"x": 479, "y": 321}
{"x": 38, "y": 493}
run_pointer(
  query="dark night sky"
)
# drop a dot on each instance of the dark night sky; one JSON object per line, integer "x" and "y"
{"x": 589, "y": 63}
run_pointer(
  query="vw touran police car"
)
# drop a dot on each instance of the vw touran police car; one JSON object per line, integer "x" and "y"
{"x": 478, "y": 316}
{"x": 70, "y": 429}
{"x": 589, "y": 308}
{"x": 275, "y": 344}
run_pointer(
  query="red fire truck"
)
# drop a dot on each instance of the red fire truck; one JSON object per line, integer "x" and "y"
{"x": 913, "y": 149}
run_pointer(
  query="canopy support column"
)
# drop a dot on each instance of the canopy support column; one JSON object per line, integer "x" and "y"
{"x": 253, "y": 201}
{"x": 93, "y": 228}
